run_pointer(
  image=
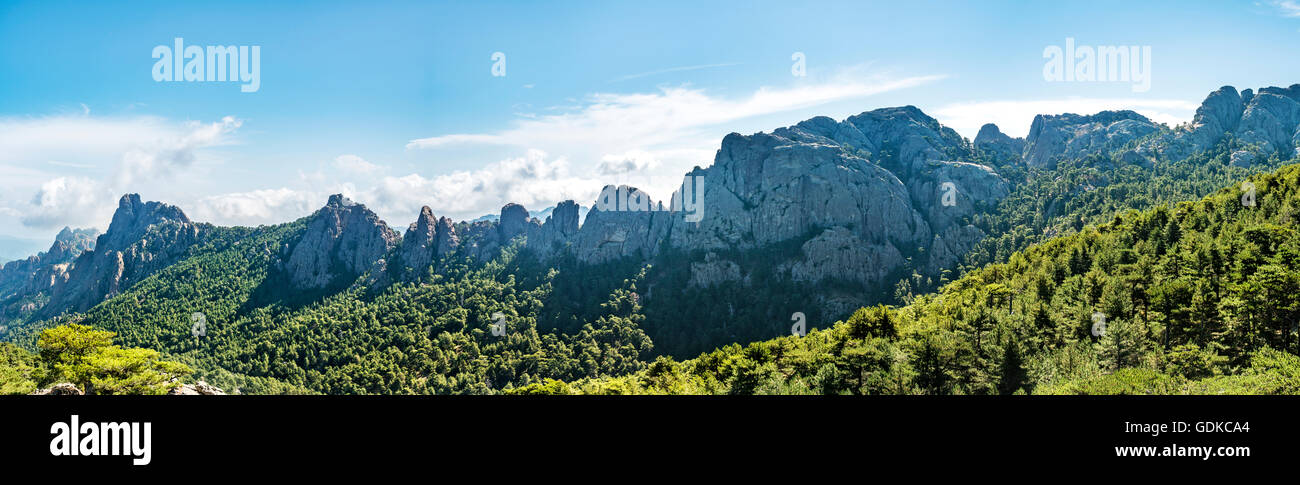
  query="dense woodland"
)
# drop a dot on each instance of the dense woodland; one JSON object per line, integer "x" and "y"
{"x": 1196, "y": 297}
{"x": 1200, "y": 298}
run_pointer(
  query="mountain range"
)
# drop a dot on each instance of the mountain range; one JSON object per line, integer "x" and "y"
{"x": 820, "y": 218}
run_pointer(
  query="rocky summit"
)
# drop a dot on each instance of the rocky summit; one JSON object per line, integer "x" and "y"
{"x": 342, "y": 241}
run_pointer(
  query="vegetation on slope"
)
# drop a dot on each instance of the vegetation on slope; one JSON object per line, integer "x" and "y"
{"x": 1200, "y": 298}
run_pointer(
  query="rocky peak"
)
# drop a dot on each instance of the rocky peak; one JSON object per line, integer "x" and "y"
{"x": 1069, "y": 135}
{"x": 143, "y": 238}
{"x": 1267, "y": 121}
{"x": 514, "y": 219}
{"x": 564, "y": 219}
{"x": 991, "y": 140}
{"x": 133, "y": 218}
{"x": 418, "y": 243}
{"x": 446, "y": 240}
{"x": 343, "y": 240}
{"x": 900, "y": 139}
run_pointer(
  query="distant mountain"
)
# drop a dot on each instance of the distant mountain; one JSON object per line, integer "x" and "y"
{"x": 14, "y": 248}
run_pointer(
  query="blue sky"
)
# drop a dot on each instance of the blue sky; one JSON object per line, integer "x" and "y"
{"x": 395, "y": 104}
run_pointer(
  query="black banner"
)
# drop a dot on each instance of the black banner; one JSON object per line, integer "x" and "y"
{"x": 323, "y": 434}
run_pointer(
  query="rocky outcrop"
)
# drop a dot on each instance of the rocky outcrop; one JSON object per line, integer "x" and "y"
{"x": 901, "y": 140}
{"x": 513, "y": 221}
{"x": 45, "y": 270}
{"x": 445, "y": 239}
{"x": 838, "y": 253}
{"x": 197, "y": 389}
{"x": 714, "y": 270}
{"x": 560, "y": 228}
{"x": 992, "y": 141}
{"x": 1069, "y": 136}
{"x": 343, "y": 240}
{"x": 61, "y": 389}
{"x": 420, "y": 241}
{"x": 143, "y": 238}
{"x": 1268, "y": 122}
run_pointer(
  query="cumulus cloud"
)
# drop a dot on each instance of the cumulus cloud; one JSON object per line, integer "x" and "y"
{"x": 631, "y": 161}
{"x": 75, "y": 201}
{"x": 1014, "y": 117}
{"x": 112, "y": 155}
{"x": 268, "y": 206}
{"x": 535, "y": 180}
{"x": 162, "y": 156}
{"x": 532, "y": 180}
{"x": 356, "y": 165}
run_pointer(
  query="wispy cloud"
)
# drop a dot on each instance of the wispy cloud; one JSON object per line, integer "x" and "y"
{"x": 676, "y": 127}
{"x": 1288, "y": 8}
{"x": 116, "y": 154}
{"x": 1014, "y": 117}
{"x": 674, "y": 69}
{"x": 657, "y": 117}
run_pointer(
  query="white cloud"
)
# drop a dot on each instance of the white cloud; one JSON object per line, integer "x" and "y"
{"x": 1288, "y": 8}
{"x": 269, "y": 206}
{"x": 112, "y": 155}
{"x": 675, "y": 69}
{"x": 534, "y": 180}
{"x": 356, "y": 165}
{"x": 1014, "y": 117}
{"x": 631, "y": 161}
{"x": 628, "y": 121}
{"x": 163, "y": 156}
{"x": 75, "y": 201}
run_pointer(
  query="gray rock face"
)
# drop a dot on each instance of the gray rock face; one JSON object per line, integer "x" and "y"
{"x": 901, "y": 140}
{"x": 814, "y": 180}
{"x": 60, "y": 389}
{"x": 560, "y": 228}
{"x": 991, "y": 140}
{"x": 840, "y": 254}
{"x": 1243, "y": 158}
{"x": 197, "y": 389}
{"x": 343, "y": 240}
{"x": 1067, "y": 136}
{"x": 1269, "y": 121}
{"x": 513, "y": 222}
{"x": 43, "y": 271}
{"x": 617, "y": 231}
{"x": 713, "y": 271}
{"x": 420, "y": 241}
{"x": 446, "y": 240}
{"x": 142, "y": 239}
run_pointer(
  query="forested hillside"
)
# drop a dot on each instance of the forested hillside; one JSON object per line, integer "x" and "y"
{"x": 1202, "y": 298}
